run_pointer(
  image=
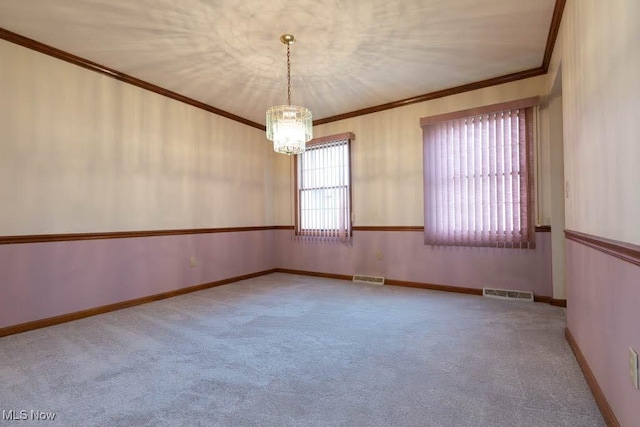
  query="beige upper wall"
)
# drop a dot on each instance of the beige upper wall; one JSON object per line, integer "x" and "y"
{"x": 387, "y": 155}
{"x": 82, "y": 152}
{"x": 598, "y": 49}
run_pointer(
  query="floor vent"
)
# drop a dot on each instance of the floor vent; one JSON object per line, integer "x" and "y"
{"x": 372, "y": 280}
{"x": 506, "y": 294}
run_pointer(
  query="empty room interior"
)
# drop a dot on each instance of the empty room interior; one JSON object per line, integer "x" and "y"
{"x": 319, "y": 212}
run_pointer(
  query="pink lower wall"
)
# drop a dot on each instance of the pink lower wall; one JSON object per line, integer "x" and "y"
{"x": 41, "y": 280}
{"x": 405, "y": 257}
{"x": 603, "y": 315}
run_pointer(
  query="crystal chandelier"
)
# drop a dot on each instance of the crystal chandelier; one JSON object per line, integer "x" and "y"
{"x": 289, "y": 126}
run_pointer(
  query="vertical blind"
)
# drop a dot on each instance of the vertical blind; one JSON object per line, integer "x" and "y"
{"x": 478, "y": 180}
{"x": 324, "y": 189}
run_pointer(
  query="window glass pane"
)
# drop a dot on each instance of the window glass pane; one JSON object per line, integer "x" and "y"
{"x": 324, "y": 189}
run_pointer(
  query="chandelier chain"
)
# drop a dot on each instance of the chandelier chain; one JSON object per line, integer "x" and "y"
{"x": 289, "y": 74}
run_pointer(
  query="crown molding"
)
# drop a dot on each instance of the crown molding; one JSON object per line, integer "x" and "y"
{"x": 556, "y": 19}
{"x": 434, "y": 95}
{"x": 85, "y": 63}
{"x": 110, "y": 72}
{"x": 551, "y": 41}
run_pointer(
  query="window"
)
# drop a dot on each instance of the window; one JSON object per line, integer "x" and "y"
{"x": 478, "y": 176}
{"x": 323, "y": 187}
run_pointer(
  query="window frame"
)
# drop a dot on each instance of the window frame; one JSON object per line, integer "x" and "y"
{"x": 326, "y": 140}
{"x": 527, "y": 231}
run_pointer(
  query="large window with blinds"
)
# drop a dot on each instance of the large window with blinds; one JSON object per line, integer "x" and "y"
{"x": 323, "y": 188}
{"x": 478, "y": 176}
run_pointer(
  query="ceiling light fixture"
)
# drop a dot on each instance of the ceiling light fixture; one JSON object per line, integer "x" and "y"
{"x": 289, "y": 126}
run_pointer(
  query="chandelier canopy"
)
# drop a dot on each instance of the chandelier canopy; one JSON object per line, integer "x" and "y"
{"x": 290, "y": 127}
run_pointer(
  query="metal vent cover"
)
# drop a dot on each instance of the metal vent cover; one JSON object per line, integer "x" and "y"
{"x": 508, "y": 294}
{"x": 372, "y": 280}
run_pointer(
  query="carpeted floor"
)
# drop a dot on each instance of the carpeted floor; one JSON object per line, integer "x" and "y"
{"x": 283, "y": 350}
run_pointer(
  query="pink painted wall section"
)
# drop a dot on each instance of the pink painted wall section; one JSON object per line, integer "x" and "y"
{"x": 406, "y": 257}
{"x": 42, "y": 280}
{"x": 603, "y": 314}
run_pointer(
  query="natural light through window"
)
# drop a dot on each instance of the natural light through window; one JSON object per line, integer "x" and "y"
{"x": 478, "y": 177}
{"x": 324, "y": 188}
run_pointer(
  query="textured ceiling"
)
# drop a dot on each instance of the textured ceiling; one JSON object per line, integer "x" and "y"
{"x": 349, "y": 55}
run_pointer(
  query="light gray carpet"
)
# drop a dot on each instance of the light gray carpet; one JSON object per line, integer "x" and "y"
{"x": 282, "y": 350}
